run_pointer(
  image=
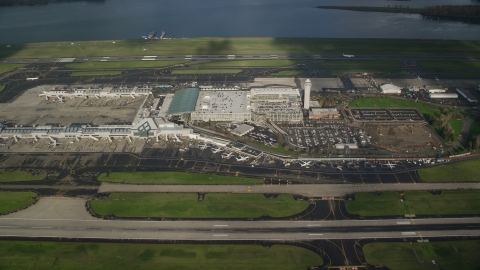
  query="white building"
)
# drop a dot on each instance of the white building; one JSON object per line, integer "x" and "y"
{"x": 437, "y": 90}
{"x": 306, "y": 100}
{"x": 443, "y": 95}
{"x": 276, "y": 104}
{"x": 109, "y": 92}
{"x": 390, "y": 89}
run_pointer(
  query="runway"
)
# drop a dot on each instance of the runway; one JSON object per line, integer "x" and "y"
{"x": 224, "y": 57}
{"x": 68, "y": 218}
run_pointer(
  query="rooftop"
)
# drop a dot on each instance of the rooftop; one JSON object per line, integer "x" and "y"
{"x": 222, "y": 102}
{"x": 183, "y": 101}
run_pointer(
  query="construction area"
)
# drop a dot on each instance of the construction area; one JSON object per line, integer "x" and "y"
{"x": 403, "y": 138}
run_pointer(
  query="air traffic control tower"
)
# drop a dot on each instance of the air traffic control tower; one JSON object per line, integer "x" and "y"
{"x": 306, "y": 94}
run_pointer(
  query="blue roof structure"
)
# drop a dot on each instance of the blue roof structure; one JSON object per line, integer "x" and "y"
{"x": 184, "y": 101}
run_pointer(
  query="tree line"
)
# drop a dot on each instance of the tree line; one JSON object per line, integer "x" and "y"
{"x": 469, "y": 11}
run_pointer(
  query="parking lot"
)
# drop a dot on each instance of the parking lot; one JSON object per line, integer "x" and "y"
{"x": 325, "y": 136}
{"x": 386, "y": 115}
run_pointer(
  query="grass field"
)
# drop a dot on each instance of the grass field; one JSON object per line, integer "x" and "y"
{"x": 12, "y": 200}
{"x": 419, "y": 203}
{"x": 449, "y": 64}
{"x": 169, "y": 178}
{"x": 206, "y": 71}
{"x": 450, "y": 255}
{"x": 9, "y": 67}
{"x": 241, "y": 46}
{"x": 124, "y": 65}
{"x": 289, "y": 73}
{"x": 456, "y": 124}
{"x": 95, "y": 73}
{"x": 15, "y": 176}
{"x": 361, "y": 63}
{"x": 186, "y": 205}
{"x": 337, "y": 72}
{"x": 464, "y": 171}
{"x": 92, "y": 256}
{"x": 251, "y": 63}
{"x": 373, "y": 102}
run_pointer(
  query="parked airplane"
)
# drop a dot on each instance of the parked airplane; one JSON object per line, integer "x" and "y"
{"x": 437, "y": 79}
{"x": 55, "y": 143}
{"x": 305, "y": 164}
{"x": 242, "y": 158}
{"x": 227, "y": 155}
{"x": 203, "y": 146}
{"x": 348, "y": 55}
{"x": 339, "y": 168}
{"x": 418, "y": 77}
{"x": 215, "y": 150}
{"x": 390, "y": 165}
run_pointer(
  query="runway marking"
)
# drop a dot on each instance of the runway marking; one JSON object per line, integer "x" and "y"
{"x": 220, "y": 225}
{"x": 75, "y": 228}
{"x": 220, "y": 235}
{"x": 404, "y": 222}
{"x": 409, "y": 233}
{"x": 313, "y": 234}
{"x": 313, "y": 225}
{"x": 41, "y": 227}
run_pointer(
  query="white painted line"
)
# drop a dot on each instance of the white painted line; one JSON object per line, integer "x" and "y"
{"x": 404, "y": 222}
{"x": 315, "y": 234}
{"x": 220, "y": 225}
{"x": 41, "y": 227}
{"x": 313, "y": 225}
{"x": 188, "y": 58}
{"x": 220, "y": 235}
{"x": 409, "y": 233}
{"x": 145, "y": 59}
{"x": 103, "y": 60}
{"x": 106, "y": 57}
{"x": 149, "y": 56}
{"x": 75, "y": 228}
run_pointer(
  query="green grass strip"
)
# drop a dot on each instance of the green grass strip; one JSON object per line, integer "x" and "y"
{"x": 95, "y": 73}
{"x": 374, "y": 102}
{"x": 449, "y": 64}
{"x": 419, "y": 203}
{"x": 93, "y": 256}
{"x": 206, "y": 71}
{"x": 254, "y": 46}
{"x": 450, "y": 255}
{"x": 337, "y": 72}
{"x": 12, "y": 200}
{"x": 170, "y": 178}
{"x": 361, "y": 63}
{"x": 9, "y": 67}
{"x": 15, "y": 176}
{"x": 289, "y": 73}
{"x": 186, "y": 205}
{"x": 251, "y": 63}
{"x": 125, "y": 65}
{"x": 464, "y": 171}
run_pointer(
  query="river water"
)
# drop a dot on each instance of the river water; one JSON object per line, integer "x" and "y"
{"x": 130, "y": 19}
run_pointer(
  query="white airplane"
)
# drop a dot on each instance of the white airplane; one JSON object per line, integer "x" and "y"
{"x": 339, "y": 168}
{"x": 305, "y": 164}
{"x": 390, "y": 165}
{"x": 203, "y": 146}
{"x": 348, "y": 55}
{"x": 437, "y": 79}
{"x": 215, "y": 150}
{"x": 242, "y": 158}
{"x": 418, "y": 77}
{"x": 227, "y": 155}
{"x": 55, "y": 143}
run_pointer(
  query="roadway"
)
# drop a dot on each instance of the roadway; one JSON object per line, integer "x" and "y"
{"x": 228, "y": 57}
{"x": 308, "y": 190}
{"x": 68, "y": 218}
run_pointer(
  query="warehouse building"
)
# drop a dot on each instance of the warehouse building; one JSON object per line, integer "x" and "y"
{"x": 390, "y": 89}
{"x": 443, "y": 95}
{"x": 467, "y": 95}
